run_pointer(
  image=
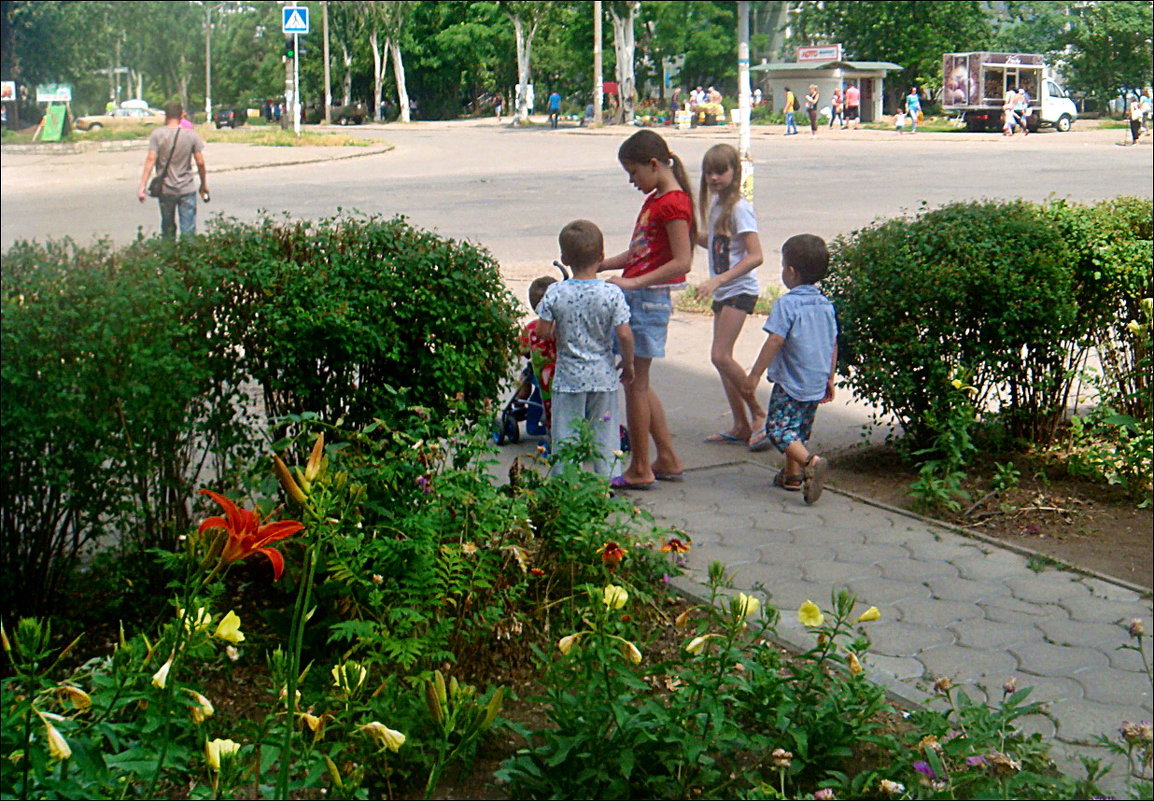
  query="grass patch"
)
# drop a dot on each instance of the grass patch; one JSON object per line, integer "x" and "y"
{"x": 268, "y": 136}
{"x": 688, "y": 301}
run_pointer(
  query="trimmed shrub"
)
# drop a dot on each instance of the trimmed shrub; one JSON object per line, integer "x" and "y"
{"x": 982, "y": 292}
{"x": 128, "y": 376}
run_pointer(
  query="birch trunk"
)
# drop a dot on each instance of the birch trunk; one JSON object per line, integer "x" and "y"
{"x": 524, "y": 53}
{"x": 380, "y": 64}
{"x": 347, "y": 83}
{"x": 399, "y": 72}
{"x": 624, "y": 45}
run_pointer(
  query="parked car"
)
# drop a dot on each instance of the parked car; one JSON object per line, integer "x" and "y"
{"x": 227, "y": 115}
{"x": 352, "y": 114}
{"x": 131, "y": 112}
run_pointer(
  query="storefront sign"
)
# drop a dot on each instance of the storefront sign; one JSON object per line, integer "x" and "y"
{"x": 820, "y": 53}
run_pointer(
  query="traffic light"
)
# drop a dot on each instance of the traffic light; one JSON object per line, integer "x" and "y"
{"x": 289, "y": 50}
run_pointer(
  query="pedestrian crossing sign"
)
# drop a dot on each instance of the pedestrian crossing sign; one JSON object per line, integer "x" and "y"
{"x": 295, "y": 19}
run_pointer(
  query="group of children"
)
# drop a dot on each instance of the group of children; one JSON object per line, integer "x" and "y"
{"x": 608, "y": 333}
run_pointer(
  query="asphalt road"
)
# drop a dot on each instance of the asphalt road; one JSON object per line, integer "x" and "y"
{"x": 512, "y": 190}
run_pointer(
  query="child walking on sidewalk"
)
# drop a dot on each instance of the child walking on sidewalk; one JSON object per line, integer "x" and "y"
{"x": 801, "y": 356}
{"x": 583, "y": 314}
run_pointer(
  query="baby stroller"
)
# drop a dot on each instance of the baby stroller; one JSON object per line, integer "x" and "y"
{"x": 526, "y": 404}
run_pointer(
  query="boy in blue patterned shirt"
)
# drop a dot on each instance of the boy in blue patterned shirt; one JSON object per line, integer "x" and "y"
{"x": 801, "y": 356}
{"x": 583, "y": 314}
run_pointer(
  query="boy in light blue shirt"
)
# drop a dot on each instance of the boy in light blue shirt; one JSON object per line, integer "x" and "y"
{"x": 800, "y": 354}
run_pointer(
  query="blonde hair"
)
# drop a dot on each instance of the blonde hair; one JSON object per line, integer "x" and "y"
{"x": 718, "y": 159}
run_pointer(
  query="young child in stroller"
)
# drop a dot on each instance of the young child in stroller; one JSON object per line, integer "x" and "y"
{"x": 531, "y": 401}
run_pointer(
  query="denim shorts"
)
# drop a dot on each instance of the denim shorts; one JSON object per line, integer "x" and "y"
{"x": 649, "y": 313}
{"x": 788, "y": 420}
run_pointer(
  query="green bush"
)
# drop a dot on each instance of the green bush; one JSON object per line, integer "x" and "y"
{"x": 128, "y": 375}
{"x": 996, "y": 294}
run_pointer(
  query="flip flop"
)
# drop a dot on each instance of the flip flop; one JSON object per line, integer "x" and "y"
{"x": 669, "y": 476}
{"x": 619, "y": 483}
{"x": 787, "y": 483}
{"x": 760, "y": 442}
{"x": 723, "y": 437}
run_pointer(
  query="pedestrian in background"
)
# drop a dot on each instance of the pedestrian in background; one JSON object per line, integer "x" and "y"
{"x": 171, "y": 152}
{"x": 811, "y": 100}
{"x": 789, "y": 109}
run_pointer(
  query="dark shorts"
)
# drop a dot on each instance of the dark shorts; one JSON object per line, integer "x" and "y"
{"x": 788, "y": 420}
{"x": 851, "y": 112}
{"x": 745, "y": 303}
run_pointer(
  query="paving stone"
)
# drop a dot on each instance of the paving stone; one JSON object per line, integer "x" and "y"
{"x": 1007, "y": 609}
{"x": 968, "y": 665}
{"x": 919, "y": 570}
{"x": 967, "y": 590}
{"x": 1127, "y": 660}
{"x": 901, "y": 667}
{"x": 1047, "y": 587}
{"x": 944, "y": 547}
{"x": 1112, "y": 592}
{"x": 780, "y": 553}
{"x": 837, "y": 574}
{"x": 1094, "y": 610}
{"x": 1112, "y": 785}
{"x": 932, "y": 612}
{"x": 882, "y": 592}
{"x": 789, "y": 594}
{"x": 1037, "y": 724}
{"x": 1073, "y": 632}
{"x": 1126, "y": 689}
{"x": 1080, "y": 722}
{"x": 868, "y": 553}
{"x": 990, "y": 565}
{"x": 1051, "y": 690}
{"x": 904, "y": 639}
{"x": 1043, "y": 659}
{"x": 984, "y": 633}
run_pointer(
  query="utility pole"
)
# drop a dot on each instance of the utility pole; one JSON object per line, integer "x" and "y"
{"x": 328, "y": 73}
{"x": 598, "y": 78}
{"x": 208, "y": 62}
{"x": 744, "y": 99}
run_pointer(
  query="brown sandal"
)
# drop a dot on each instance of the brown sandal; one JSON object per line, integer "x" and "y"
{"x": 787, "y": 482}
{"x": 813, "y": 479}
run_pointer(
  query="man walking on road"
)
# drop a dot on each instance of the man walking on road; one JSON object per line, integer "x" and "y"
{"x": 171, "y": 151}
{"x": 554, "y": 109}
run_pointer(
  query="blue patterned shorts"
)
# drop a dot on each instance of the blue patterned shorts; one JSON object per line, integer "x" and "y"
{"x": 788, "y": 420}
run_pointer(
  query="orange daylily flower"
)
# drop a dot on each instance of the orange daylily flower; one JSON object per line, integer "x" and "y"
{"x": 246, "y": 535}
{"x": 611, "y": 553}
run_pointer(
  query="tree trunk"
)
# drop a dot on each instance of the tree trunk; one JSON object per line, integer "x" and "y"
{"x": 402, "y": 90}
{"x": 624, "y": 46}
{"x": 380, "y": 65}
{"x": 347, "y": 83}
{"x": 524, "y": 54}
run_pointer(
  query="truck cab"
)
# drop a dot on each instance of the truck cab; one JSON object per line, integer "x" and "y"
{"x": 1056, "y": 109}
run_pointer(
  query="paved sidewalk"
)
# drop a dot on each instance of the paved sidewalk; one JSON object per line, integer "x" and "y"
{"x": 951, "y": 605}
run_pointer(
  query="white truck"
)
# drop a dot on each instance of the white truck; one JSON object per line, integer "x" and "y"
{"x": 975, "y": 85}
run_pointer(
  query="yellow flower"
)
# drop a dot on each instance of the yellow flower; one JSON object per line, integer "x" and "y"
{"x": 682, "y": 619}
{"x": 389, "y": 738}
{"x": 956, "y": 384}
{"x": 469, "y": 548}
{"x": 810, "y": 614}
{"x": 869, "y": 615}
{"x": 58, "y": 747}
{"x": 349, "y": 676}
{"x": 631, "y": 652}
{"x": 217, "y": 750}
{"x": 855, "y": 667}
{"x": 891, "y": 789}
{"x": 615, "y": 597}
{"x": 229, "y": 629}
{"x": 198, "y": 622}
{"x": 697, "y": 644}
{"x": 1134, "y": 327}
{"x": 745, "y": 605}
{"x": 202, "y": 710}
{"x": 315, "y": 724}
{"x": 160, "y": 678}
{"x": 74, "y": 695}
{"x": 565, "y": 644}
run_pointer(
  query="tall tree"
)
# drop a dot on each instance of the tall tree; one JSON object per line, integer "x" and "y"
{"x": 526, "y": 16}
{"x": 624, "y": 47}
{"x": 1112, "y": 50}
{"x": 913, "y": 33}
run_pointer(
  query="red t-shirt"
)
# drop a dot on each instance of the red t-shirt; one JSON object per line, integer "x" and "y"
{"x": 650, "y": 248}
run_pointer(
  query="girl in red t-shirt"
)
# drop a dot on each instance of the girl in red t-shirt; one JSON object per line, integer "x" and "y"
{"x": 660, "y": 255}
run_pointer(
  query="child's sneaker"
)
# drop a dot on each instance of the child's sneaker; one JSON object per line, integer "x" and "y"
{"x": 813, "y": 478}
